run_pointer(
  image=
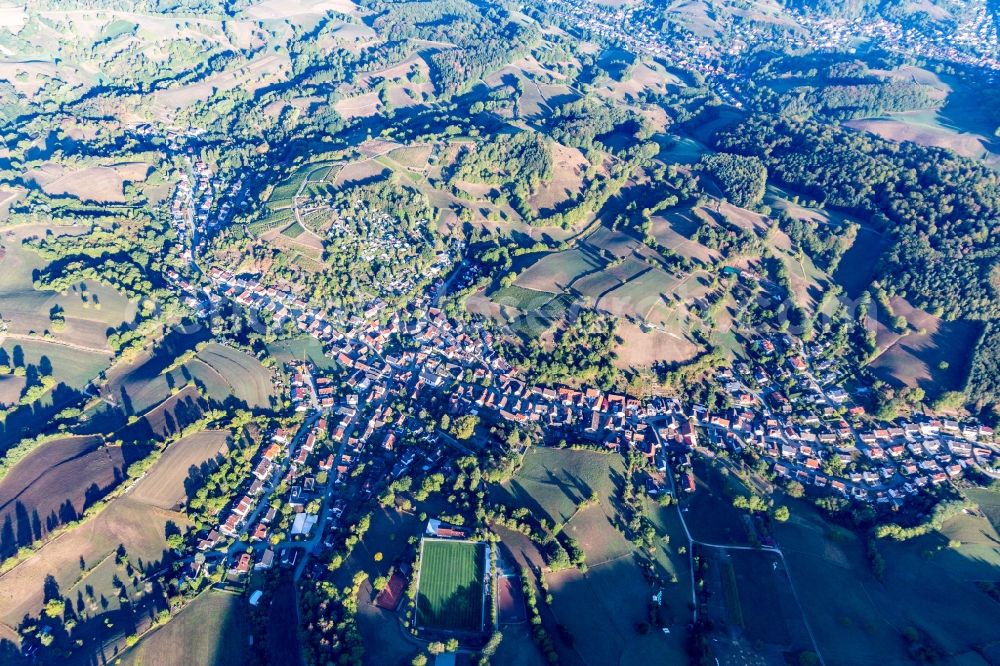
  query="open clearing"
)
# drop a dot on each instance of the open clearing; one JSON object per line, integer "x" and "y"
{"x": 601, "y": 610}
{"x": 211, "y": 630}
{"x": 552, "y": 482}
{"x": 450, "y": 592}
{"x": 642, "y": 347}
{"x": 925, "y": 128}
{"x": 90, "y": 308}
{"x": 568, "y": 168}
{"x": 857, "y": 267}
{"x": 915, "y": 359}
{"x": 301, "y": 348}
{"x": 602, "y": 607}
{"x": 98, "y": 183}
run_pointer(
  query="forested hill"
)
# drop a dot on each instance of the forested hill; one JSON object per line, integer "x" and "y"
{"x": 486, "y": 36}
{"x": 942, "y": 210}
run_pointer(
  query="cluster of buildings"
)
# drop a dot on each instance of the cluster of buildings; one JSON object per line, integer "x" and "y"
{"x": 787, "y": 408}
{"x": 872, "y": 464}
{"x": 295, "y": 460}
{"x": 973, "y": 41}
{"x": 351, "y": 433}
{"x": 202, "y": 201}
{"x": 383, "y": 242}
{"x": 785, "y": 405}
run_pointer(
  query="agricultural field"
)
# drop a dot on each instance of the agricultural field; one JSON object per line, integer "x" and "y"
{"x": 55, "y": 483}
{"x": 71, "y": 369}
{"x": 96, "y": 183}
{"x": 669, "y": 562}
{"x": 752, "y": 604}
{"x": 139, "y": 528}
{"x": 808, "y": 282}
{"x": 857, "y": 266}
{"x": 988, "y": 502}
{"x": 415, "y": 157}
{"x": 179, "y": 410}
{"x": 11, "y": 387}
{"x": 136, "y": 387}
{"x": 523, "y": 300}
{"x": 674, "y": 229}
{"x": 518, "y": 647}
{"x": 295, "y": 236}
{"x": 555, "y": 272}
{"x": 211, "y": 630}
{"x": 615, "y": 594}
{"x": 709, "y": 510}
{"x": 537, "y": 99}
{"x": 356, "y": 172}
{"x": 450, "y": 594}
{"x": 82, "y": 561}
{"x": 594, "y": 286}
{"x": 293, "y": 231}
{"x": 648, "y": 297}
{"x": 244, "y": 376}
{"x": 683, "y": 150}
{"x": 632, "y": 288}
{"x": 154, "y": 385}
{"x": 159, "y": 486}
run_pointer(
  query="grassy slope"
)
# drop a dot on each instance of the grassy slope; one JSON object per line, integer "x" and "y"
{"x": 857, "y": 619}
{"x": 212, "y": 630}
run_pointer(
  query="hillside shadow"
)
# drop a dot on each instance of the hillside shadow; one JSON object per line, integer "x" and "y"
{"x": 522, "y": 497}
{"x": 23, "y": 526}
{"x": 35, "y": 419}
{"x": 459, "y": 611}
{"x": 197, "y": 474}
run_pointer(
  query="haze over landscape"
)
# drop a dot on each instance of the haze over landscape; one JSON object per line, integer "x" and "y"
{"x": 585, "y": 332}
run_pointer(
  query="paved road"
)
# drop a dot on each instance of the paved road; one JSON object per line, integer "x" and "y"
{"x": 705, "y": 544}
